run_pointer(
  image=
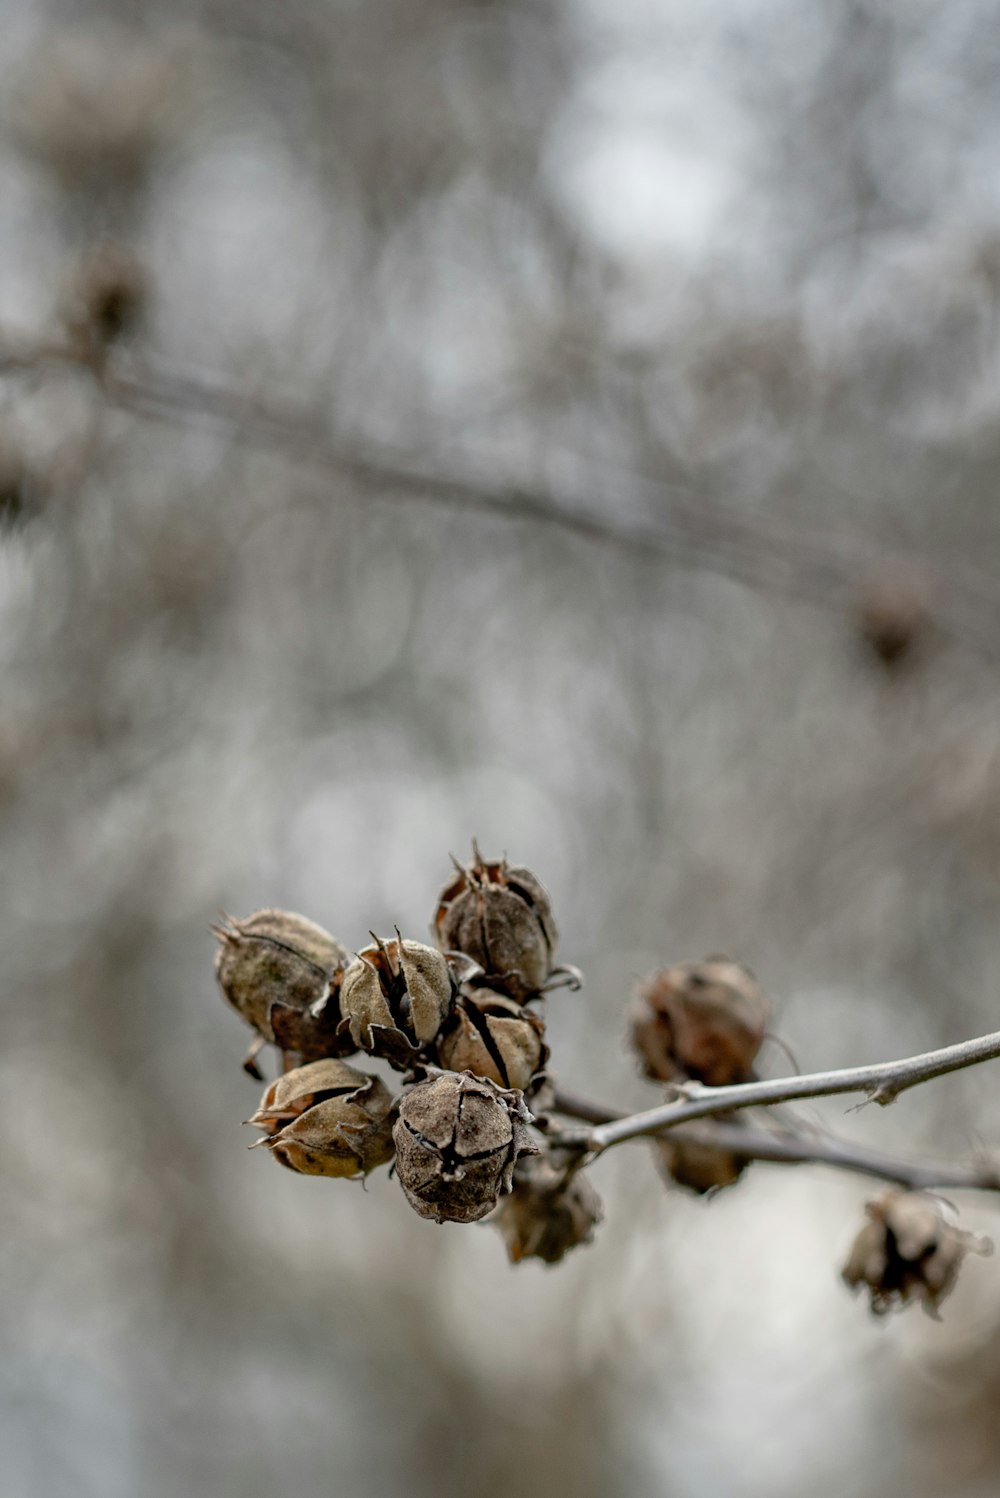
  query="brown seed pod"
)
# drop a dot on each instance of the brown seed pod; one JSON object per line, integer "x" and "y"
{"x": 492, "y": 1036}
{"x": 500, "y": 915}
{"x": 275, "y": 968}
{"x": 549, "y": 1211}
{"x": 907, "y": 1251}
{"x": 695, "y": 1166}
{"x": 701, "y": 1020}
{"x": 894, "y": 613}
{"x": 327, "y": 1119}
{"x": 458, "y": 1138}
{"x": 394, "y": 997}
{"x": 106, "y": 297}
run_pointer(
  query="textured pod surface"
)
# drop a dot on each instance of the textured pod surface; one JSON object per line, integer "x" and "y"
{"x": 500, "y": 915}
{"x": 281, "y": 972}
{"x": 328, "y": 1119}
{"x": 547, "y": 1213}
{"x": 458, "y": 1138}
{"x": 697, "y": 1167}
{"x": 908, "y": 1251}
{"x": 704, "y": 1020}
{"x": 493, "y": 1036}
{"x": 394, "y": 998}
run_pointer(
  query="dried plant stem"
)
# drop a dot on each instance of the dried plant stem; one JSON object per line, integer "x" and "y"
{"x": 882, "y": 1082}
{"x": 814, "y": 569}
{"x": 795, "y": 1147}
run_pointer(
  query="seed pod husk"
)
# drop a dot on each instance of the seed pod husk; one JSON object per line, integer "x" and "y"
{"x": 695, "y": 1166}
{"x": 274, "y": 968}
{"x": 908, "y": 1251}
{"x": 549, "y": 1211}
{"x": 394, "y": 997}
{"x": 500, "y": 915}
{"x": 894, "y": 614}
{"x": 458, "y": 1138}
{"x": 492, "y": 1036}
{"x": 327, "y": 1119}
{"x": 701, "y": 1020}
{"x": 106, "y": 298}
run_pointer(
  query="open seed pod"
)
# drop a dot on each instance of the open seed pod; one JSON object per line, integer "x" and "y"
{"x": 549, "y": 1211}
{"x": 273, "y": 967}
{"x": 327, "y": 1119}
{"x": 458, "y": 1138}
{"x": 492, "y": 1036}
{"x": 394, "y": 997}
{"x": 908, "y": 1251}
{"x": 499, "y": 914}
{"x": 701, "y": 1020}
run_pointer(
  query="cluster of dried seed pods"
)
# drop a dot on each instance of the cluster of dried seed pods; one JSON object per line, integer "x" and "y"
{"x": 465, "y": 1112}
{"x": 461, "y": 1020}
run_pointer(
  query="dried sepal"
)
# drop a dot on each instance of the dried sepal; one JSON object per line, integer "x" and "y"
{"x": 458, "y": 1138}
{"x": 701, "y": 1020}
{"x": 494, "y": 1037}
{"x": 394, "y": 997}
{"x": 327, "y": 1119}
{"x": 282, "y": 973}
{"x": 697, "y": 1167}
{"x": 908, "y": 1251}
{"x": 500, "y": 915}
{"x": 550, "y": 1210}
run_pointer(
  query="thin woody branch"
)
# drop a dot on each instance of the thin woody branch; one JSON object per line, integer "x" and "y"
{"x": 688, "y": 531}
{"x": 882, "y": 1083}
{"x": 797, "y": 1148}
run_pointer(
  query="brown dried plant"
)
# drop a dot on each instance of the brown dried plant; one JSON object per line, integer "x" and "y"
{"x": 475, "y": 1126}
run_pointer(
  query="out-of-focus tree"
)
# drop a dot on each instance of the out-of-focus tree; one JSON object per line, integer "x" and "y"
{"x": 510, "y": 422}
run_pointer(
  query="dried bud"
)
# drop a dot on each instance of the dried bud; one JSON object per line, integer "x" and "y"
{"x": 327, "y": 1119}
{"x": 499, "y": 915}
{"x": 696, "y": 1166}
{"x": 894, "y": 613}
{"x": 282, "y": 973}
{"x": 395, "y": 996}
{"x": 106, "y": 298}
{"x": 549, "y": 1211}
{"x": 704, "y": 1020}
{"x": 19, "y": 485}
{"x": 907, "y": 1251}
{"x": 493, "y": 1036}
{"x": 457, "y": 1139}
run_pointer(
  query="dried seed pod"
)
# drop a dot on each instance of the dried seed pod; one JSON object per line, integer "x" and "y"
{"x": 549, "y": 1211}
{"x": 282, "y": 973}
{"x": 697, "y": 1167}
{"x": 458, "y": 1138}
{"x": 106, "y": 298}
{"x": 907, "y": 1251}
{"x": 327, "y": 1119}
{"x": 500, "y": 915}
{"x": 20, "y": 486}
{"x": 894, "y": 613}
{"x": 704, "y": 1020}
{"x": 395, "y": 996}
{"x": 493, "y": 1036}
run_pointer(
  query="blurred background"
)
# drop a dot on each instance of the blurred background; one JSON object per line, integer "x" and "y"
{"x": 572, "y": 425}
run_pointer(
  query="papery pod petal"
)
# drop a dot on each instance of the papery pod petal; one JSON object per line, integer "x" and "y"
{"x": 429, "y": 985}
